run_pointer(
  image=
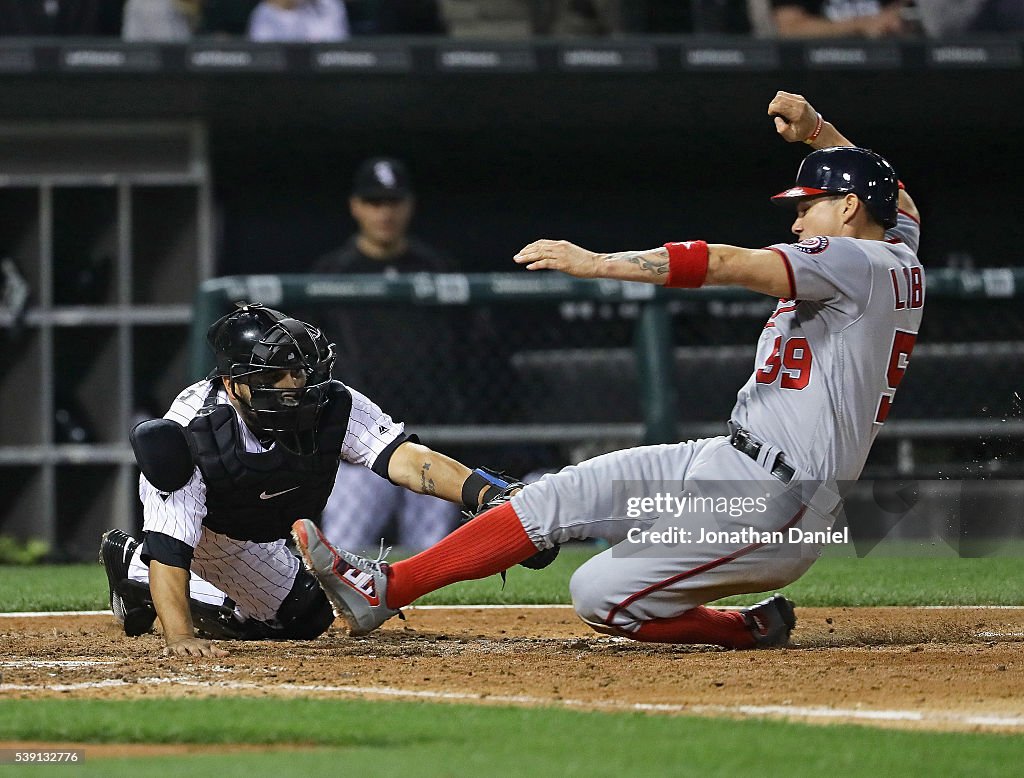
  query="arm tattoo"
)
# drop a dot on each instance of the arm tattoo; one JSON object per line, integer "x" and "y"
{"x": 654, "y": 262}
{"x": 427, "y": 484}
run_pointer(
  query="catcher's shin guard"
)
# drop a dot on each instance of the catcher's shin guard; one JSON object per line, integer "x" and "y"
{"x": 130, "y": 601}
{"x": 305, "y": 613}
{"x": 137, "y": 610}
{"x": 221, "y": 622}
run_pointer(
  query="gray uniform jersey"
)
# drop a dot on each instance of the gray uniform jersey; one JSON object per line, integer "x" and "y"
{"x": 831, "y": 357}
{"x": 828, "y": 364}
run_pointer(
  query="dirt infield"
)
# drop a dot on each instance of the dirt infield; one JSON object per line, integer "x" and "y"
{"x": 947, "y": 668}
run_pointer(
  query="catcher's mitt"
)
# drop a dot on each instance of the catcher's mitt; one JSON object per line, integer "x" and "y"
{"x": 499, "y": 491}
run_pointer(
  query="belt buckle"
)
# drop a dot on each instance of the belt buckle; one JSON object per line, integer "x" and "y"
{"x": 751, "y": 447}
{"x": 782, "y": 470}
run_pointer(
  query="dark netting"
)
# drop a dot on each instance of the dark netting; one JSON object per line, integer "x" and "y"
{"x": 554, "y": 365}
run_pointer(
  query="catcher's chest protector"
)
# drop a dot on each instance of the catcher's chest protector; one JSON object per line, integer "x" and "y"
{"x": 257, "y": 496}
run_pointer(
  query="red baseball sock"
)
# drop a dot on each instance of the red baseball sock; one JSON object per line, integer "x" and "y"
{"x": 490, "y": 543}
{"x": 700, "y": 625}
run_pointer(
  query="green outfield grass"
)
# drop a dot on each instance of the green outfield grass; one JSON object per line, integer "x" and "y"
{"x": 911, "y": 578}
{"x": 423, "y": 739}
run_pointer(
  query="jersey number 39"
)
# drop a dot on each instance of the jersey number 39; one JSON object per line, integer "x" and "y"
{"x": 902, "y": 344}
{"x": 792, "y": 361}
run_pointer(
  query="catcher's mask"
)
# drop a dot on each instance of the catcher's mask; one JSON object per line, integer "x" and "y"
{"x": 260, "y": 347}
{"x": 843, "y": 169}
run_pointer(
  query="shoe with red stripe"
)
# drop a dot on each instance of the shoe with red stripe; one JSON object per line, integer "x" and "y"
{"x": 355, "y": 586}
{"x": 770, "y": 621}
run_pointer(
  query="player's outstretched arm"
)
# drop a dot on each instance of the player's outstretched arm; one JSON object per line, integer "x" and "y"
{"x": 649, "y": 266}
{"x": 759, "y": 270}
{"x": 796, "y": 121}
{"x": 169, "y": 587}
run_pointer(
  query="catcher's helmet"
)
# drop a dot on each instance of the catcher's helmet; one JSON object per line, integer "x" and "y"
{"x": 843, "y": 169}
{"x": 255, "y": 340}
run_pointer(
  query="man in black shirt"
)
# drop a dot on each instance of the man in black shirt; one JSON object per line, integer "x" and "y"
{"x": 382, "y": 204}
{"x": 383, "y": 349}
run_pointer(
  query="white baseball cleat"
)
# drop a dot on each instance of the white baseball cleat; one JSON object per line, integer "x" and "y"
{"x": 355, "y": 586}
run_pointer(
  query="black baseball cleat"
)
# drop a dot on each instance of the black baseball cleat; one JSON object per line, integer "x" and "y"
{"x": 130, "y": 601}
{"x": 770, "y": 621}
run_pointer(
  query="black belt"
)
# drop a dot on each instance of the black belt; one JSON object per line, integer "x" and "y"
{"x": 741, "y": 440}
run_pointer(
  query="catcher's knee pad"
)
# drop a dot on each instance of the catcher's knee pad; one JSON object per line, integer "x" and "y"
{"x": 305, "y": 613}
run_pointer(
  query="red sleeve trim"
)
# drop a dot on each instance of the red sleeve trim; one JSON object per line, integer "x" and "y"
{"x": 912, "y": 218}
{"x": 789, "y": 271}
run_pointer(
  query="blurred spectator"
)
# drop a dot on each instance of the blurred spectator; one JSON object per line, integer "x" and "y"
{"x": 759, "y": 15}
{"x": 160, "y": 20}
{"x": 299, "y": 21}
{"x": 942, "y": 18}
{"x": 402, "y": 357}
{"x": 838, "y": 18}
{"x": 51, "y": 17}
{"x": 395, "y": 17}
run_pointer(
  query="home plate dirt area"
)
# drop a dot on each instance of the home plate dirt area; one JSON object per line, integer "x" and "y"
{"x": 933, "y": 668}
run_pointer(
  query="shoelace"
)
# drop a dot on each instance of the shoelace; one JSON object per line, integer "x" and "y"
{"x": 371, "y": 565}
{"x": 382, "y": 555}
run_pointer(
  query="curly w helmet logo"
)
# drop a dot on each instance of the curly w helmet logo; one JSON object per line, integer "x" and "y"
{"x": 362, "y": 582}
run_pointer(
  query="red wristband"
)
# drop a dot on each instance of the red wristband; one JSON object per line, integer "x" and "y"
{"x": 687, "y": 264}
{"x": 818, "y": 124}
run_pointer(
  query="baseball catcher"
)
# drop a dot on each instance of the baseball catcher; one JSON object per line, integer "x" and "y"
{"x": 237, "y": 458}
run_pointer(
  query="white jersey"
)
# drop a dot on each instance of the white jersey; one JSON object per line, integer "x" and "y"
{"x": 180, "y": 514}
{"x": 831, "y": 357}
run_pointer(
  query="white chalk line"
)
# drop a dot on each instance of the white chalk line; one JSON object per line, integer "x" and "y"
{"x": 40, "y": 614}
{"x": 553, "y": 606}
{"x": 757, "y": 711}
